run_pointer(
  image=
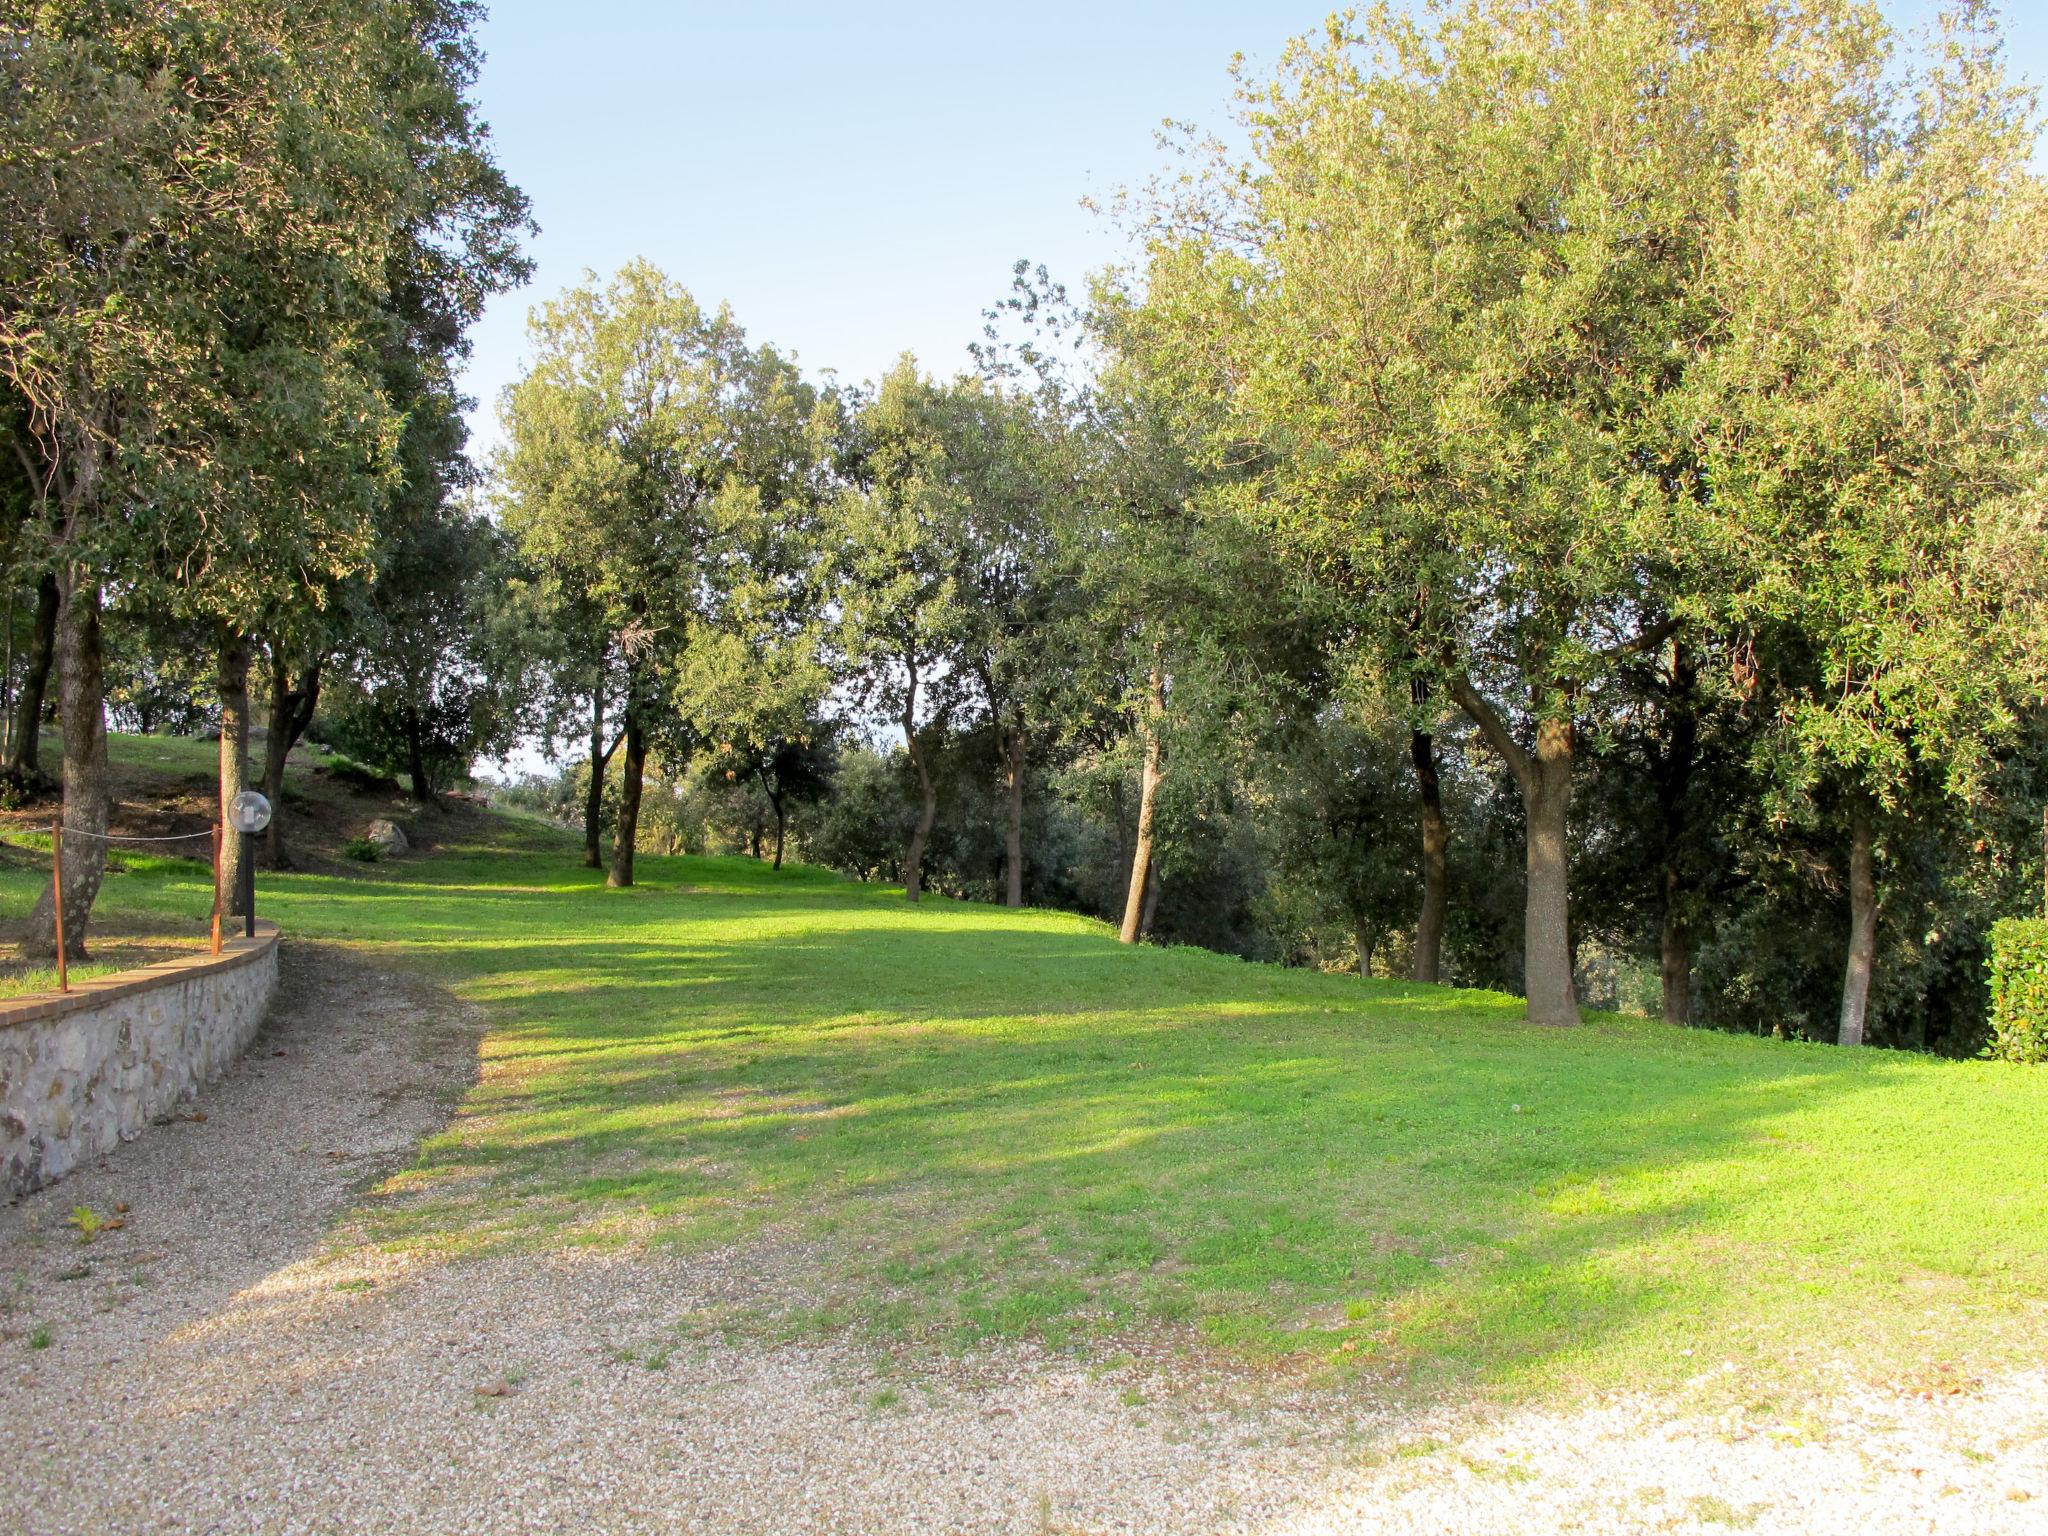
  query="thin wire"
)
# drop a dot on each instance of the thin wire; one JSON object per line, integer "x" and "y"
{"x": 125, "y": 837}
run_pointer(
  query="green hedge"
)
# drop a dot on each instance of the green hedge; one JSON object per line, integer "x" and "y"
{"x": 2019, "y": 989}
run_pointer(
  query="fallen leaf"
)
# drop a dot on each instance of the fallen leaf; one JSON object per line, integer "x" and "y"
{"x": 499, "y": 1388}
{"x": 121, "y": 1206}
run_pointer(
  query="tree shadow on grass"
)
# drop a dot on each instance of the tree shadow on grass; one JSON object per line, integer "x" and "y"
{"x": 1017, "y": 1126}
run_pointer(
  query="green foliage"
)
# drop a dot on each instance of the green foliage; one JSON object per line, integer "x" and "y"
{"x": 860, "y": 829}
{"x": 1870, "y": 411}
{"x": 362, "y": 850}
{"x": 2019, "y": 990}
{"x": 649, "y": 452}
{"x": 427, "y": 691}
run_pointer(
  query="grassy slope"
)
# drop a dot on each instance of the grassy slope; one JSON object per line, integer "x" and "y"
{"x": 958, "y": 1121}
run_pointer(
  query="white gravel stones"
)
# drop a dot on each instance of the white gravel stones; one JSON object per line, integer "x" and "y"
{"x": 218, "y": 1365}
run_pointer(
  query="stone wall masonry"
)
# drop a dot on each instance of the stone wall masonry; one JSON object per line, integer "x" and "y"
{"x": 84, "y": 1070}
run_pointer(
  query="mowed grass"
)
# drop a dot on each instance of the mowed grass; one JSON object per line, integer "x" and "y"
{"x": 953, "y": 1122}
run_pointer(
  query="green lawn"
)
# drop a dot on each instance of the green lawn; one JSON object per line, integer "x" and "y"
{"x": 956, "y": 1121}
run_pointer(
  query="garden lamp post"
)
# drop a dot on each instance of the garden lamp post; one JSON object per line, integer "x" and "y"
{"x": 248, "y": 814}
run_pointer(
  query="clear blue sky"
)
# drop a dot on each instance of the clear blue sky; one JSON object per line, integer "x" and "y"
{"x": 856, "y": 180}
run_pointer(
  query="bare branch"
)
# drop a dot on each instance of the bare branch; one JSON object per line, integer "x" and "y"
{"x": 1493, "y": 728}
{"x": 1648, "y": 640}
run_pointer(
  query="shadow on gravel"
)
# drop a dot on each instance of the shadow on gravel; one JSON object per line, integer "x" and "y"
{"x": 353, "y": 1068}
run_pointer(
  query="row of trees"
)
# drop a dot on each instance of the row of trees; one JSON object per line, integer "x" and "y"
{"x": 1645, "y": 395}
{"x": 240, "y": 247}
{"x": 1560, "y": 338}
{"x": 1580, "y": 458}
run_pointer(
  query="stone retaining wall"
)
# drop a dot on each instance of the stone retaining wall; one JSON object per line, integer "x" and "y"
{"x": 84, "y": 1070}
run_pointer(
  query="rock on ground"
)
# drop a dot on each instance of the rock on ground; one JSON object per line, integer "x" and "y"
{"x": 387, "y": 837}
{"x": 228, "y": 1361}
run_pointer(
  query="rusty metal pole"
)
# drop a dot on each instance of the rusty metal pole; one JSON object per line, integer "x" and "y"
{"x": 216, "y": 887}
{"x": 57, "y": 891}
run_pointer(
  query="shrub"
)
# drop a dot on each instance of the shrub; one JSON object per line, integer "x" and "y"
{"x": 362, "y": 850}
{"x": 2019, "y": 990}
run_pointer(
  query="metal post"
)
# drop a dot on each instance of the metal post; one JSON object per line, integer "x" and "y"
{"x": 57, "y": 892}
{"x": 216, "y": 887}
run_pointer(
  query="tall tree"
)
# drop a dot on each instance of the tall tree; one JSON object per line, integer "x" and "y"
{"x": 1447, "y": 314}
{"x": 896, "y": 528}
{"x": 1873, "y": 430}
{"x": 641, "y": 429}
{"x": 197, "y": 216}
{"x": 429, "y": 688}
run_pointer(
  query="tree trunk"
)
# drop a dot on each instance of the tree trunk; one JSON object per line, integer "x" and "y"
{"x": 927, "y": 814}
{"x": 1365, "y": 947}
{"x": 232, "y": 683}
{"x": 1675, "y": 958}
{"x": 291, "y": 712}
{"x": 775, "y": 807}
{"x": 1148, "y": 798}
{"x": 1152, "y": 885}
{"x": 1547, "y": 950}
{"x": 1013, "y": 849}
{"x": 635, "y": 768}
{"x": 928, "y": 804}
{"x": 593, "y": 799}
{"x": 24, "y": 759}
{"x": 1862, "y": 928}
{"x": 416, "y": 760}
{"x": 81, "y": 694}
{"x": 1545, "y": 780}
{"x": 1436, "y": 848}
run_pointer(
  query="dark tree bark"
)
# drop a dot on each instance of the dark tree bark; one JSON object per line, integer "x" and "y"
{"x": 1547, "y": 918}
{"x": 772, "y": 788}
{"x": 927, "y": 814}
{"x": 82, "y": 703}
{"x": 1365, "y": 948}
{"x": 1135, "y": 922}
{"x": 1013, "y": 848}
{"x": 291, "y": 712}
{"x": 1545, "y": 780}
{"x": 1152, "y": 885}
{"x": 593, "y": 798}
{"x": 635, "y": 770}
{"x": 416, "y": 760}
{"x": 1675, "y": 958}
{"x": 24, "y": 758}
{"x": 1862, "y": 928}
{"x": 928, "y": 801}
{"x": 1436, "y": 849}
{"x": 232, "y": 683}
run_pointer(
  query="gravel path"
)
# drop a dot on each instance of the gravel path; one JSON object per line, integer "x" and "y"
{"x": 220, "y": 1364}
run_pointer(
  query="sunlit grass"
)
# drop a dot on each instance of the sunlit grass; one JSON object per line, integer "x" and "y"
{"x": 950, "y": 1122}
